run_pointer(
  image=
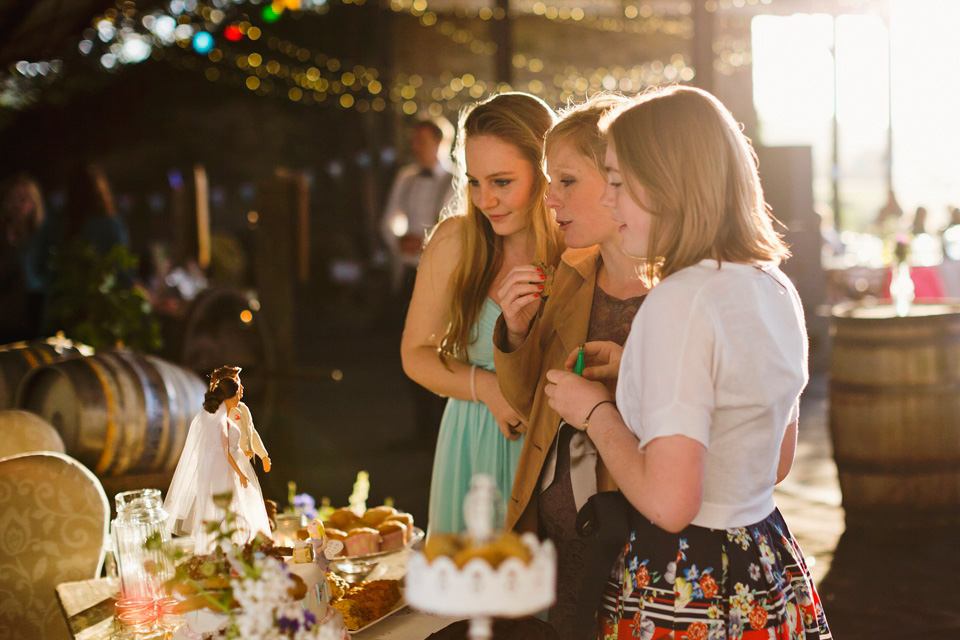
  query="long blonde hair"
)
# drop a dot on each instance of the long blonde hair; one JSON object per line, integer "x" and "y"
{"x": 699, "y": 171}
{"x": 521, "y": 120}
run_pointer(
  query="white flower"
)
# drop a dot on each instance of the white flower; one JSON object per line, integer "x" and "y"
{"x": 671, "y": 574}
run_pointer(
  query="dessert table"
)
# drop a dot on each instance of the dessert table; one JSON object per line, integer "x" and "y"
{"x": 88, "y": 608}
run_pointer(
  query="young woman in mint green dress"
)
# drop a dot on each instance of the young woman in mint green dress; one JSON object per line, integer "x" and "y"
{"x": 500, "y": 223}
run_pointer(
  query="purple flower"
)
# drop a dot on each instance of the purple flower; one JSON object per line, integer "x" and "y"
{"x": 309, "y": 620}
{"x": 305, "y": 504}
{"x": 288, "y": 626}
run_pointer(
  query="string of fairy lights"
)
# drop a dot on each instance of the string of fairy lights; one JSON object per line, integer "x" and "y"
{"x": 209, "y": 37}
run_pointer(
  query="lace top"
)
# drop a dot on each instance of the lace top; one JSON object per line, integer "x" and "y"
{"x": 610, "y": 318}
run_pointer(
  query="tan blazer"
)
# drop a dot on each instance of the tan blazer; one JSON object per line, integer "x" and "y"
{"x": 559, "y": 327}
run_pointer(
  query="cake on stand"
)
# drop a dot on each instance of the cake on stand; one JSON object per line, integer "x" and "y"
{"x": 478, "y": 590}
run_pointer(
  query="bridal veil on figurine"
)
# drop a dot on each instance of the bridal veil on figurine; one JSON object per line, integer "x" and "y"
{"x": 215, "y": 460}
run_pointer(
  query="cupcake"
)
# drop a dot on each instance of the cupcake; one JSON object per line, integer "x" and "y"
{"x": 361, "y": 541}
{"x": 393, "y": 535}
{"x": 403, "y": 518}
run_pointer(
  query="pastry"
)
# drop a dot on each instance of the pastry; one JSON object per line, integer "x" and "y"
{"x": 376, "y": 515}
{"x": 404, "y": 518}
{"x": 338, "y": 586}
{"x": 548, "y": 282}
{"x": 442, "y": 544}
{"x": 375, "y": 598}
{"x": 361, "y": 541}
{"x": 350, "y": 610}
{"x": 393, "y": 535}
{"x": 344, "y": 519}
{"x": 461, "y": 551}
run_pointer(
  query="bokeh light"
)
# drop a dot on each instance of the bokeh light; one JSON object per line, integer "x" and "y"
{"x": 202, "y": 42}
{"x": 233, "y": 33}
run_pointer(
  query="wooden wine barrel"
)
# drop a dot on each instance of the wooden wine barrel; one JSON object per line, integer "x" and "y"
{"x": 17, "y": 359}
{"x": 895, "y": 411}
{"x": 118, "y": 412}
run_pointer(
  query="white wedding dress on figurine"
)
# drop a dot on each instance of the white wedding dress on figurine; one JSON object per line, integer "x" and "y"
{"x": 203, "y": 470}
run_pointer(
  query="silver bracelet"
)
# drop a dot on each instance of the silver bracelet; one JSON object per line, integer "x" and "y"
{"x": 473, "y": 382}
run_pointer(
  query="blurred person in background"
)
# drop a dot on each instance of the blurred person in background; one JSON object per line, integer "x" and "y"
{"x": 419, "y": 193}
{"x": 22, "y": 267}
{"x": 90, "y": 212}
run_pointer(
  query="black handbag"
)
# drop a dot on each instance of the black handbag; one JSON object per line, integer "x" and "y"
{"x": 604, "y": 524}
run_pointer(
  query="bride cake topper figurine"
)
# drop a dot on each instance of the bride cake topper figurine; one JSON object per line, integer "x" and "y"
{"x": 250, "y": 442}
{"x": 213, "y": 462}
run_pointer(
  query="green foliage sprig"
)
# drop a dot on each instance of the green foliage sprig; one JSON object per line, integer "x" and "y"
{"x": 93, "y": 299}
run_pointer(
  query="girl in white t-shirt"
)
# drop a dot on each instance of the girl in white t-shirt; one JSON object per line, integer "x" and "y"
{"x": 705, "y": 419}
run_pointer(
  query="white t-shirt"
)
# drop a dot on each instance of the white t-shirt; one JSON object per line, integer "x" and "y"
{"x": 417, "y": 196}
{"x": 718, "y": 353}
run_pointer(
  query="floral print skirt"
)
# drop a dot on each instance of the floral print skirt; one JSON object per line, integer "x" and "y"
{"x": 711, "y": 584}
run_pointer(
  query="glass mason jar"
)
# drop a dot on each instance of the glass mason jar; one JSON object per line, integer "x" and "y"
{"x": 140, "y": 515}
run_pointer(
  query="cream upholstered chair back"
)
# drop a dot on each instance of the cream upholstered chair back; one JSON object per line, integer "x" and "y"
{"x": 53, "y": 522}
{"x": 25, "y": 432}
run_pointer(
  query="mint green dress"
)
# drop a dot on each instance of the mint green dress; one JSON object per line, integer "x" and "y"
{"x": 470, "y": 442}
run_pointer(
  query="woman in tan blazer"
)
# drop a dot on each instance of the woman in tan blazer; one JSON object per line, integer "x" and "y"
{"x": 595, "y": 293}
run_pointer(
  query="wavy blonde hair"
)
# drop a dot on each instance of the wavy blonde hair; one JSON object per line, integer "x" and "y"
{"x": 578, "y": 126}
{"x": 699, "y": 171}
{"x": 521, "y": 120}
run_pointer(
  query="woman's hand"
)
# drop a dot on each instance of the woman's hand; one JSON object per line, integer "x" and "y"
{"x": 488, "y": 392}
{"x": 602, "y": 362}
{"x": 519, "y": 297}
{"x": 573, "y": 397}
{"x": 243, "y": 481}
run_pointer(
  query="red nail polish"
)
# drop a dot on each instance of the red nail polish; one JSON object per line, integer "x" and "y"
{"x": 536, "y": 295}
{"x": 540, "y": 286}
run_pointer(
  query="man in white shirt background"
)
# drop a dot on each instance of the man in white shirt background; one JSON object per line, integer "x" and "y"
{"x": 419, "y": 193}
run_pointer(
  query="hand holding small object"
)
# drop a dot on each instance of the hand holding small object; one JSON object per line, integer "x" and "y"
{"x": 574, "y": 397}
{"x": 519, "y": 296}
{"x": 601, "y": 360}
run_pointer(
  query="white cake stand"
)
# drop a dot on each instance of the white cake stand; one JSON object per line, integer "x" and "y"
{"x": 478, "y": 591}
